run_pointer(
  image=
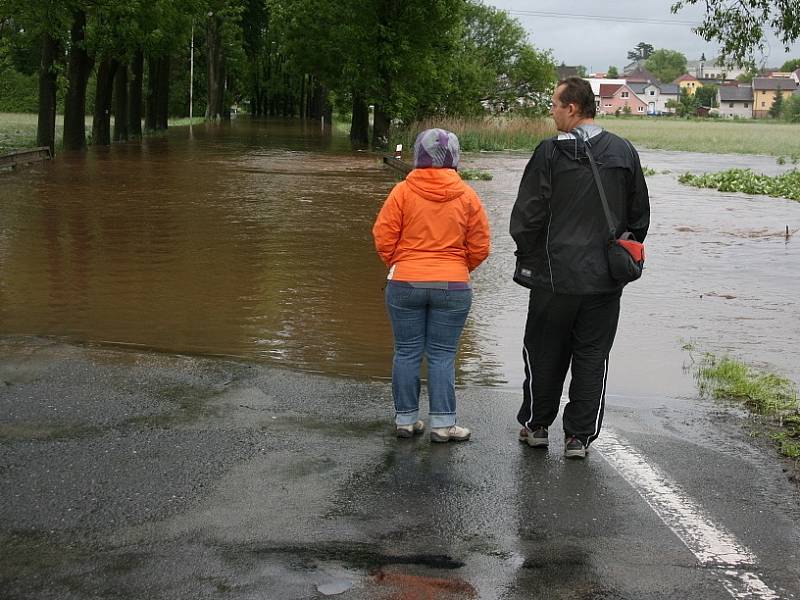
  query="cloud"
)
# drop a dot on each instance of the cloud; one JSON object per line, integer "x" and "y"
{"x": 600, "y": 33}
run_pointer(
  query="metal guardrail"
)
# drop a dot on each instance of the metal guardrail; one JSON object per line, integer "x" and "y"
{"x": 397, "y": 164}
{"x": 21, "y": 157}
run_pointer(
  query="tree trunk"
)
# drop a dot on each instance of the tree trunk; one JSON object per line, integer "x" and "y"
{"x": 305, "y": 88}
{"x": 150, "y": 118}
{"x": 359, "y": 126}
{"x": 46, "y": 126}
{"x": 101, "y": 123}
{"x": 162, "y": 94}
{"x": 135, "y": 95}
{"x": 80, "y": 65}
{"x": 387, "y": 14}
{"x": 255, "y": 90}
{"x": 287, "y": 96}
{"x": 215, "y": 59}
{"x": 380, "y": 128}
{"x": 319, "y": 97}
{"x": 121, "y": 104}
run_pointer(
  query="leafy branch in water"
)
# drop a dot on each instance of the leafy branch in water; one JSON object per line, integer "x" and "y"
{"x": 648, "y": 171}
{"x": 470, "y": 174}
{"x": 786, "y": 185}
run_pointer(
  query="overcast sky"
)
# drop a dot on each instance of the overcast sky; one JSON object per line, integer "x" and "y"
{"x": 580, "y": 38}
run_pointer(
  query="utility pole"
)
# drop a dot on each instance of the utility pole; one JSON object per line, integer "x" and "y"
{"x": 191, "y": 76}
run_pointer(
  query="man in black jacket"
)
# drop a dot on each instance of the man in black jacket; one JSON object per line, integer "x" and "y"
{"x": 561, "y": 234}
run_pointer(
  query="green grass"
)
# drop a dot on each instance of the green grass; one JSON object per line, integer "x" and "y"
{"x": 746, "y": 181}
{"x": 713, "y": 136}
{"x": 18, "y": 130}
{"x": 716, "y": 136}
{"x": 766, "y": 394}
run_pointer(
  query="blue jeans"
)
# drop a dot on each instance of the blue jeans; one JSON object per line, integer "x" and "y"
{"x": 429, "y": 322}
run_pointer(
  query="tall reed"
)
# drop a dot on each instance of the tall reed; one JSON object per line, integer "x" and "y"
{"x": 482, "y": 133}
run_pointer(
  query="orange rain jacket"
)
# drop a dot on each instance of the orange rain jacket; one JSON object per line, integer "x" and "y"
{"x": 432, "y": 227}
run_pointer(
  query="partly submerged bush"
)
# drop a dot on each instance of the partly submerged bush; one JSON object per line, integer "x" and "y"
{"x": 786, "y": 185}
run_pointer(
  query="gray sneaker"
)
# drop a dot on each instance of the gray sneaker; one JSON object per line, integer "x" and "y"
{"x": 450, "y": 434}
{"x": 574, "y": 448}
{"x": 535, "y": 438}
{"x": 407, "y": 431}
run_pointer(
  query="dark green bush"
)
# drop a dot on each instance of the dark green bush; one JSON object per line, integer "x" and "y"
{"x": 18, "y": 93}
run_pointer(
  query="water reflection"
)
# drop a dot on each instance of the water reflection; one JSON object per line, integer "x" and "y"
{"x": 253, "y": 240}
{"x": 248, "y": 240}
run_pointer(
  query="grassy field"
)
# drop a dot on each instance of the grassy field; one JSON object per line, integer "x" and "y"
{"x": 499, "y": 133}
{"x": 18, "y": 130}
{"x": 714, "y": 136}
{"x": 698, "y": 135}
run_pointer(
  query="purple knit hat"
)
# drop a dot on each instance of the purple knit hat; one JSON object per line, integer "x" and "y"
{"x": 436, "y": 148}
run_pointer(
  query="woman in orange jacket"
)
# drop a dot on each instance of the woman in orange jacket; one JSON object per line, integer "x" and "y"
{"x": 431, "y": 233}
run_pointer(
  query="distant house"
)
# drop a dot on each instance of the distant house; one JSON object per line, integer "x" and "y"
{"x": 596, "y": 83}
{"x": 712, "y": 69}
{"x": 688, "y": 82}
{"x": 614, "y": 98}
{"x": 765, "y": 90}
{"x": 640, "y": 75}
{"x": 735, "y": 102}
{"x": 796, "y": 77}
{"x": 634, "y": 66}
{"x": 655, "y": 95}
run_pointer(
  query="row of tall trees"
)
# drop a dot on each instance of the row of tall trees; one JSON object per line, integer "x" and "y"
{"x": 300, "y": 58}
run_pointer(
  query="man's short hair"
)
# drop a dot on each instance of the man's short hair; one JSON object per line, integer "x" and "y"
{"x": 577, "y": 91}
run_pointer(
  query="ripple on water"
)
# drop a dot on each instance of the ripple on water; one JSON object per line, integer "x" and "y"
{"x": 254, "y": 241}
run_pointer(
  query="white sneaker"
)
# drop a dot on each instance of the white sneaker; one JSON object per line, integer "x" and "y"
{"x": 450, "y": 434}
{"x": 407, "y": 431}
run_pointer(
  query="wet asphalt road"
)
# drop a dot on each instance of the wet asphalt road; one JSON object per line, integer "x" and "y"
{"x": 127, "y": 475}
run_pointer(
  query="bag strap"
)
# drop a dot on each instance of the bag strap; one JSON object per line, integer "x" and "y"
{"x": 612, "y": 228}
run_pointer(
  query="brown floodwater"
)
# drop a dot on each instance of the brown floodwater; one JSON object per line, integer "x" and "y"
{"x": 253, "y": 240}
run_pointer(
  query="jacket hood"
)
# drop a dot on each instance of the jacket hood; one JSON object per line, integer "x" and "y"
{"x": 574, "y": 146}
{"x": 438, "y": 185}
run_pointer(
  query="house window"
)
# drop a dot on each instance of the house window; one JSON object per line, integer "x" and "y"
{"x": 746, "y": 105}
{"x": 624, "y": 94}
{"x": 652, "y": 92}
{"x": 763, "y": 104}
{"x": 641, "y": 109}
{"x": 607, "y": 105}
{"x": 730, "y": 105}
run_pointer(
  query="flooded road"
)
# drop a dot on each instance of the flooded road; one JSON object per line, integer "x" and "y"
{"x": 254, "y": 241}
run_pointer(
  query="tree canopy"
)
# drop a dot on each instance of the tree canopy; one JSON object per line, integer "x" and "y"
{"x": 791, "y": 65}
{"x": 641, "y": 51}
{"x": 741, "y": 27}
{"x": 299, "y": 58}
{"x": 667, "y": 65}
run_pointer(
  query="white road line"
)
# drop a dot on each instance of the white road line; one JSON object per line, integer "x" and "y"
{"x": 712, "y": 545}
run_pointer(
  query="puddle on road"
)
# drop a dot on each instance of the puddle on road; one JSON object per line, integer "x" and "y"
{"x": 253, "y": 240}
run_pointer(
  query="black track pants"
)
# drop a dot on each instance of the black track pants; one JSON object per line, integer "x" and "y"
{"x": 561, "y": 329}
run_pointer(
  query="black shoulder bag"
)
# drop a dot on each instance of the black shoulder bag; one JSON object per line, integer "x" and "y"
{"x": 625, "y": 254}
